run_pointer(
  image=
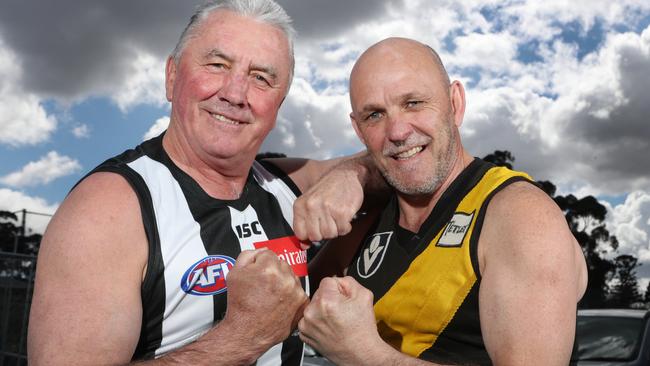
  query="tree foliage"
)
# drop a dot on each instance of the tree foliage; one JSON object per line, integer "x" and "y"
{"x": 625, "y": 292}
{"x": 12, "y": 241}
{"x": 500, "y": 158}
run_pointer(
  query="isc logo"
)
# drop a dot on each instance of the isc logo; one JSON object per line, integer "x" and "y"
{"x": 207, "y": 276}
{"x": 247, "y": 230}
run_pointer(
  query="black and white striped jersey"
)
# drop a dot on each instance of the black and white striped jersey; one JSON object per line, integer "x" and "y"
{"x": 194, "y": 240}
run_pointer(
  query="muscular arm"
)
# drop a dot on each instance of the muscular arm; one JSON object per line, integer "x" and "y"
{"x": 533, "y": 274}
{"x": 87, "y": 305}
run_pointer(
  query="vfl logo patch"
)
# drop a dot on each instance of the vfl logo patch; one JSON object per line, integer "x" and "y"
{"x": 373, "y": 254}
{"x": 207, "y": 276}
{"x": 454, "y": 233}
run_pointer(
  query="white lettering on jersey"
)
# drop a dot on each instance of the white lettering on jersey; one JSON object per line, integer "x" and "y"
{"x": 246, "y": 226}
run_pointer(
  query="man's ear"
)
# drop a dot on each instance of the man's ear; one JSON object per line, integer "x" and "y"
{"x": 356, "y": 128}
{"x": 170, "y": 76}
{"x": 457, "y": 96}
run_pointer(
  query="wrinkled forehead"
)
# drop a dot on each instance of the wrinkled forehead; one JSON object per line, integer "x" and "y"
{"x": 242, "y": 37}
{"x": 399, "y": 67}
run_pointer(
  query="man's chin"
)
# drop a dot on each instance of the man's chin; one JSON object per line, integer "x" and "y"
{"x": 411, "y": 186}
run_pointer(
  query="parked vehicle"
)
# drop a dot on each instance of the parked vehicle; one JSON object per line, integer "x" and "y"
{"x": 613, "y": 337}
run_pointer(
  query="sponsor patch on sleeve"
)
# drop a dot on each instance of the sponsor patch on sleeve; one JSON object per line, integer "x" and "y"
{"x": 456, "y": 229}
{"x": 288, "y": 249}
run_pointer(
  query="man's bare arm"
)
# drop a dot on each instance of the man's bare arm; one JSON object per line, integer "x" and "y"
{"x": 87, "y": 304}
{"x": 533, "y": 274}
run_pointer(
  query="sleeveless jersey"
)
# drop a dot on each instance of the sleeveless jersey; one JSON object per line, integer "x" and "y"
{"x": 193, "y": 242}
{"x": 426, "y": 284}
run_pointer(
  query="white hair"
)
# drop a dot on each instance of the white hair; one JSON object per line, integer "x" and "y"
{"x": 265, "y": 11}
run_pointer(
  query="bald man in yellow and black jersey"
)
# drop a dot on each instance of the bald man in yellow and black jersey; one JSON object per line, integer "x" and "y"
{"x": 467, "y": 264}
{"x": 434, "y": 271}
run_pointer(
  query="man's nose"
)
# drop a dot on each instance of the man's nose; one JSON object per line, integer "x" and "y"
{"x": 234, "y": 90}
{"x": 398, "y": 129}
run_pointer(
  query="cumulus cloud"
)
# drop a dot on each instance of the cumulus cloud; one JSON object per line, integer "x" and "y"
{"x": 13, "y": 201}
{"x": 630, "y": 222}
{"x": 43, "y": 171}
{"x": 23, "y": 120}
{"x": 89, "y": 48}
{"x": 313, "y": 124}
{"x": 157, "y": 128}
{"x": 81, "y": 131}
{"x": 324, "y": 19}
{"x": 144, "y": 84}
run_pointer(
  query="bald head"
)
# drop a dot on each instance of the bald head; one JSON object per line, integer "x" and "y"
{"x": 407, "y": 113}
{"x": 399, "y": 50}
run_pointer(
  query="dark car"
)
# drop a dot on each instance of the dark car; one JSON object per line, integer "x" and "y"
{"x": 618, "y": 337}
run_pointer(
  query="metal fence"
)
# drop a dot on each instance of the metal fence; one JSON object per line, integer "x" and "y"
{"x": 15, "y": 300}
{"x": 17, "y": 269}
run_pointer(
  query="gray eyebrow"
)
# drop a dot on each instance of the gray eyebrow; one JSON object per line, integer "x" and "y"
{"x": 267, "y": 69}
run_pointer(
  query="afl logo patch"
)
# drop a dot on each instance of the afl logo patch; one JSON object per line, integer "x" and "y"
{"x": 372, "y": 255}
{"x": 207, "y": 276}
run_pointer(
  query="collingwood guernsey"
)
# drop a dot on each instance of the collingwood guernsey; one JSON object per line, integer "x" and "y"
{"x": 194, "y": 240}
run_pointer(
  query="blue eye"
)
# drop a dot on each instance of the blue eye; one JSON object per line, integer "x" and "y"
{"x": 412, "y": 103}
{"x": 373, "y": 115}
{"x": 261, "y": 78}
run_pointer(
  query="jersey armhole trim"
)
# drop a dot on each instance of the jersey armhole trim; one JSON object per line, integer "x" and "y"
{"x": 275, "y": 170}
{"x": 473, "y": 243}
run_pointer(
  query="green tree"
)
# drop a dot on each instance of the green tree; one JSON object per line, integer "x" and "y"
{"x": 586, "y": 218}
{"x": 8, "y": 231}
{"x": 625, "y": 292}
{"x": 501, "y": 158}
{"x": 12, "y": 241}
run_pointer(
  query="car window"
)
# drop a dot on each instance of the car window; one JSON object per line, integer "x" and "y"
{"x": 609, "y": 338}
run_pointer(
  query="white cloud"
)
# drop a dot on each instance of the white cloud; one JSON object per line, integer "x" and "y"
{"x": 13, "y": 201}
{"x": 43, "y": 171}
{"x": 543, "y": 19}
{"x": 145, "y": 83}
{"x": 157, "y": 128}
{"x": 23, "y": 120}
{"x": 313, "y": 124}
{"x": 630, "y": 222}
{"x": 81, "y": 131}
{"x": 491, "y": 52}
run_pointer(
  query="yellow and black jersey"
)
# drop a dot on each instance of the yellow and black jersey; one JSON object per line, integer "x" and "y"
{"x": 426, "y": 284}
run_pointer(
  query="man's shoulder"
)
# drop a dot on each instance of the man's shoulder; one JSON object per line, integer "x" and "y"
{"x": 521, "y": 195}
{"x": 522, "y": 215}
{"x": 101, "y": 192}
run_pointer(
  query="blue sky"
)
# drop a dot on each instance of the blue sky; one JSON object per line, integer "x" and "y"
{"x": 562, "y": 85}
